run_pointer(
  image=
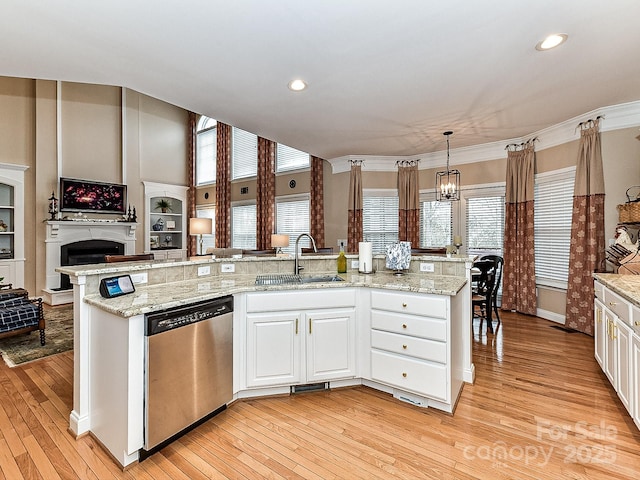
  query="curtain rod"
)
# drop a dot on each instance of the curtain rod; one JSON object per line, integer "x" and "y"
{"x": 522, "y": 145}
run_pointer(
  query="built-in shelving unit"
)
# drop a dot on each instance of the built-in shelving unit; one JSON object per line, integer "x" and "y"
{"x": 165, "y": 226}
{"x": 12, "y": 224}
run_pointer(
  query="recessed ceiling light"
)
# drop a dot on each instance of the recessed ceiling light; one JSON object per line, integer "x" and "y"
{"x": 552, "y": 41}
{"x": 297, "y": 85}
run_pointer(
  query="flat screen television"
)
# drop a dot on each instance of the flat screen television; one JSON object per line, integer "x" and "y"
{"x": 88, "y": 196}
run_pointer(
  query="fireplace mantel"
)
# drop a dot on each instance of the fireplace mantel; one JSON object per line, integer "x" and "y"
{"x": 63, "y": 232}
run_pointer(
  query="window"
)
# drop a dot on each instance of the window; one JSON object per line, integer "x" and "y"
{"x": 208, "y": 241}
{"x": 435, "y": 223}
{"x": 380, "y": 219}
{"x": 288, "y": 158}
{"x": 553, "y": 208}
{"x": 244, "y": 154}
{"x": 243, "y": 226}
{"x": 485, "y": 224}
{"x": 292, "y": 218}
{"x": 206, "y": 144}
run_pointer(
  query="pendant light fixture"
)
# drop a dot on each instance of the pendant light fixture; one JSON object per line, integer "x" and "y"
{"x": 448, "y": 183}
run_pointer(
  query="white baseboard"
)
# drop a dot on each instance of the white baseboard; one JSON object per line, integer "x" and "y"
{"x": 552, "y": 316}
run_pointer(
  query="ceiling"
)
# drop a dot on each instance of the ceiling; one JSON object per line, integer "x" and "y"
{"x": 385, "y": 78}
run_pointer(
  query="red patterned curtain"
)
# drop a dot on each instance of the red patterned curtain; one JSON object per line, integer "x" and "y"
{"x": 408, "y": 203}
{"x": 316, "y": 216}
{"x": 519, "y": 278}
{"x": 191, "y": 198}
{"x": 354, "y": 230}
{"x": 223, "y": 186}
{"x": 587, "y": 249}
{"x": 265, "y": 193}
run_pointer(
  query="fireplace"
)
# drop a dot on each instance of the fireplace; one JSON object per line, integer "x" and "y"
{"x": 86, "y": 252}
{"x": 64, "y": 233}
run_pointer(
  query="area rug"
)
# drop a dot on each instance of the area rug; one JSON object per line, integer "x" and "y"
{"x": 58, "y": 335}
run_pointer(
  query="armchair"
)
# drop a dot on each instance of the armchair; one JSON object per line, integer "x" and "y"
{"x": 20, "y": 314}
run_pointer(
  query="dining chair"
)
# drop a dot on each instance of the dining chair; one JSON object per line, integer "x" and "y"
{"x": 485, "y": 295}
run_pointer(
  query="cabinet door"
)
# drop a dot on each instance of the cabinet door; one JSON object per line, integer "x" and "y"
{"x": 330, "y": 345}
{"x": 273, "y": 349}
{"x": 610, "y": 358}
{"x": 600, "y": 335}
{"x": 635, "y": 378}
{"x": 622, "y": 334}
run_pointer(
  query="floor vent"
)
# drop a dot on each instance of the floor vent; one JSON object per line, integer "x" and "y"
{"x": 310, "y": 387}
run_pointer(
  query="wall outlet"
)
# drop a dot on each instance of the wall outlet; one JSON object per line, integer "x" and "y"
{"x": 426, "y": 267}
{"x": 227, "y": 268}
{"x": 204, "y": 270}
{"x": 342, "y": 242}
{"x": 355, "y": 264}
{"x": 139, "y": 277}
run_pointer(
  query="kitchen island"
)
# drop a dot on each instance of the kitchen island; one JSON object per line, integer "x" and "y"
{"x": 409, "y": 336}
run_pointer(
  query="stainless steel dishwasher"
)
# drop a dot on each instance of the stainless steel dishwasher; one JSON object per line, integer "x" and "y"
{"x": 189, "y": 368}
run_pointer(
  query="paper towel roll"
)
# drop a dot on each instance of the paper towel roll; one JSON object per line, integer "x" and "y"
{"x": 365, "y": 257}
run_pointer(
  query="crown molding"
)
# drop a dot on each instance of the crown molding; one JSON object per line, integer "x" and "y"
{"x": 615, "y": 117}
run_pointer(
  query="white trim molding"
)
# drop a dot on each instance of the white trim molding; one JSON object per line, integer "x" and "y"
{"x": 615, "y": 117}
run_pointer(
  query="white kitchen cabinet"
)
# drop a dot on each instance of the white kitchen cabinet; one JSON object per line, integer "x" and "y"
{"x": 635, "y": 376}
{"x": 410, "y": 346}
{"x": 616, "y": 344}
{"x": 273, "y": 349}
{"x": 330, "y": 345}
{"x": 599, "y": 332}
{"x": 292, "y": 340}
{"x": 622, "y": 334}
{"x": 611, "y": 357}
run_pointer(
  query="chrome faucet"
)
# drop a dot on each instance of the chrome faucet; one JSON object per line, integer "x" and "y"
{"x": 296, "y": 266}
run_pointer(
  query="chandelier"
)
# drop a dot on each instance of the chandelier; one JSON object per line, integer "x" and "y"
{"x": 448, "y": 183}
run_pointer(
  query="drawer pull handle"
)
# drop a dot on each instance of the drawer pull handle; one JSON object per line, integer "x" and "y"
{"x": 404, "y": 325}
{"x": 637, "y": 323}
{"x": 404, "y": 305}
{"x": 404, "y": 375}
{"x": 404, "y": 347}
{"x": 612, "y": 304}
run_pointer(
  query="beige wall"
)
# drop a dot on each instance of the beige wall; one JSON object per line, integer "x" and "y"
{"x": 155, "y": 145}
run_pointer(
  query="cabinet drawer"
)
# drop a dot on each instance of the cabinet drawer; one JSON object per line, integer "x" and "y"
{"x": 636, "y": 326}
{"x": 418, "y": 376}
{"x": 617, "y": 305}
{"x": 415, "y": 304}
{"x": 431, "y": 328}
{"x": 412, "y": 346}
{"x": 598, "y": 290}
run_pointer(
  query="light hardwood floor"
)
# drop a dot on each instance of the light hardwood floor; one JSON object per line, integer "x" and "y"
{"x": 540, "y": 409}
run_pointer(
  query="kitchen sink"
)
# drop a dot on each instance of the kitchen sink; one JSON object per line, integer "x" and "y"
{"x": 287, "y": 279}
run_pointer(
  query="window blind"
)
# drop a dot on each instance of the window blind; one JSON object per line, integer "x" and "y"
{"x": 206, "y": 157}
{"x": 485, "y": 225}
{"x": 435, "y": 223}
{"x": 243, "y": 226}
{"x": 380, "y": 220}
{"x": 288, "y": 158}
{"x": 244, "y": 154}
{"x": 553, "y": 208}
{"x": 292, "y": 218}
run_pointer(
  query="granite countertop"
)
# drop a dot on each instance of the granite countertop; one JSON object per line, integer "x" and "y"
{"x": 627, "y": 286}
{"x": 159, "y": 297}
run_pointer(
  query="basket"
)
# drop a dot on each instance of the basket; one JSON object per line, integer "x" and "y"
{"x": 630, "y": 211}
